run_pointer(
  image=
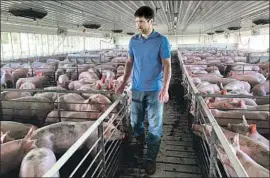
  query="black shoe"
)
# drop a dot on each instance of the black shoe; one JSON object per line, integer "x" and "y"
{"x": 138, "y": 150}
{"x": 150, "y": 167}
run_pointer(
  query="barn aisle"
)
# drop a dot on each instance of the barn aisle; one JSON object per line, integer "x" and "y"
{"x": 176, "y": 157}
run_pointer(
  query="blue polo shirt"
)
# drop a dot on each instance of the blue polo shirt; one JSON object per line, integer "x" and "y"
{"x": 147, "y": 67}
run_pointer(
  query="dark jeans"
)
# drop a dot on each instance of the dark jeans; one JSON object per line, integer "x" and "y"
{"x": 142, "y": 100}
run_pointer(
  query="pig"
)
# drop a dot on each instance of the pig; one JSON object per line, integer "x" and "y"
{"x": 63, "y": 81}
{"x": 226, "y": 104}
{"x": 38, "y": 81}
{"x": 28, "y": 85}
{"x": 59, "y": 137}
{"x": 250, "y": 78}
{"x": 101, "y": 102}
{"x": 237, "y": 85}
{"x": 71, "y": 98}
{"x": 16, "y": 130}
{"x": 37, "y": 162}
{"x": 252, "y": 168}
{"x": 89, "y": 88}
{"x": 95, "y": 71}
{"x": 248, "y": 130}
{"x": 107, "y": 74}
{"x": 213, "y": 79}
{"x": 52, "y": 96}
{"x": 88, "y": 75}
{"x": 118, "y": 60}
{"x": 207, "y": 88}
{"x": 257, "y": 115}
{"x": 120, "y": 70}
{"x": 254, "y": 149}
{"x": 242, "y": 72}
{"x": 19, "y": 73}
{"x": 213, "y": 69}
{"x": 27, "y": 108}
{"x": 72, "y": 116}
{"x": 8, "y": 95}
{"x": 196, "y": 67}
{"x": 104, "y": 84}
{"x": 74, "y": 102}
{"x": 75, "y": 85}
{"x": 197, "y": 71}
{"x": 84, "y": 67}
{"x": 246, "y": 101}
{"x": 241, "y": 66}
{"x": 13, "y": 152}
{"x": 7, "y": 79}
{"x": 5, "y": 137}
{"x": 196, "y": 80}
{"x": 261, "y": 89}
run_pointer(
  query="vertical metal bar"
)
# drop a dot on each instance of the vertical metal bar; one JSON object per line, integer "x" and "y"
{"x": 101, "y": 147}
{"x": 58, "y": 107}
{"x": 20, "y": 38}
{"x": 28, "y": 47}
{"x": 36, "y": 45}
{"x": 41, "y": 41}
{"x": 213, "y": 154}
{"x": 196, "y": 108}
{"x": 77, "y": 72}
{"x": 32, "y": 70}
{"x": 48, "y": 44}
{"x": 12, "y": 48}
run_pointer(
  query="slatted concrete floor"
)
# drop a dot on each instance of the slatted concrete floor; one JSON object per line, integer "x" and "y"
{"x": 176, "y": 157}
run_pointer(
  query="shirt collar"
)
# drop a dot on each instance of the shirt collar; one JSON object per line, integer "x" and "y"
{"x": 153, "y": 34}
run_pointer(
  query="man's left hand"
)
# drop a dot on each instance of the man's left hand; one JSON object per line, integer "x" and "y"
{"x": 163, "y": 96}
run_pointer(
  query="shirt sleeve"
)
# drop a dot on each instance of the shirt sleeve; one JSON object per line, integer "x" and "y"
{"x": 130, "y": 52}
{"x": 165, "y": 49}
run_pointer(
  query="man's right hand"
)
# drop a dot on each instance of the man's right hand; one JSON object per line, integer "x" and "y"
{"x": 120, "y": 88}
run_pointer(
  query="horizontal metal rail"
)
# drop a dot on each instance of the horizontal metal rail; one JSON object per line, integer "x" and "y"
{"x": 90, "y": 91}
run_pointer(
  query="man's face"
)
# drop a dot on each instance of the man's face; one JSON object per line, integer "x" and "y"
{"x": 143, "y": 25}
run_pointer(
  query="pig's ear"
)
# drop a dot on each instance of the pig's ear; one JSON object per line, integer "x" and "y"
{"x": 3, "y": 136}
{"x": 241, "y": 103}
{"x": 235, "y": 141}
{"x": 89, "y": 100}
{"x": 39, "y": 73}
{"x": 221, "y": 86}
{"x": 252, "y": 128}
{"x": 244, "y": 120}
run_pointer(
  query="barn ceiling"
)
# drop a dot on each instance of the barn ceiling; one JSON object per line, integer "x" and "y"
{"x": 172, "y": 17}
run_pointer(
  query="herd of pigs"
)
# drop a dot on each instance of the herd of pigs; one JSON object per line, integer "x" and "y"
{"x": 232, "y": 75}
{"x": 33, "y": 146}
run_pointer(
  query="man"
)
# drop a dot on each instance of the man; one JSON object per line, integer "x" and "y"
{"x": 149, "y": 56}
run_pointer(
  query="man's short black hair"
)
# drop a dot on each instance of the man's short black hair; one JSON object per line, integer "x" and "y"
{"x": 145, "y": 12}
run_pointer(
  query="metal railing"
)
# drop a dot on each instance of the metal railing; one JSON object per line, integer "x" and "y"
{"x": 106, "y": 151}
{"x": 210, "y": 160}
